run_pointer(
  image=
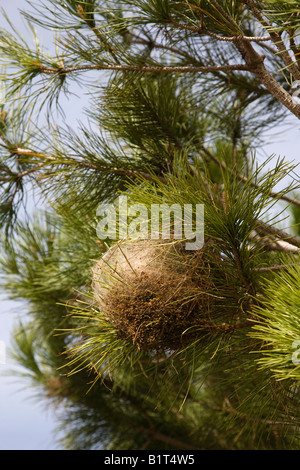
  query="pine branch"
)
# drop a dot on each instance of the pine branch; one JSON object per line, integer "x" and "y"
{"x": 150, "y": 69}
{"x": 276, "y": 267}
{"x": 71, "y": 162}
{"x": 21, "y": 174}
{"x": 280, "y": 245}
{"x": 204, "y": 31}
{"x": 242, "y": 178}
{"x": 266, "y": 229}
{"x": 256, "y": 62}
{"x": 277, "y": 40}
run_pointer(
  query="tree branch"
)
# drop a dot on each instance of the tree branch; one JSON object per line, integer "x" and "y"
{"x": 276, "y": 267}
{"x": 72, "y": 162}
{"x": 267, "y": 229}
{"x": 203, "y": 30}
{"x": 256, "y": 61}
{"x": 145, "y": 68}
{"x": 233, "y": 38}
{"x": 269, "y": 244}
{"x": 277, "y": 40}
{"x": 279, "y": 245}
{"x": 242, "y": 178}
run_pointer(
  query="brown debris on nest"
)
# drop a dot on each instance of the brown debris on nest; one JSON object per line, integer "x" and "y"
{"x": 154, "y": 292}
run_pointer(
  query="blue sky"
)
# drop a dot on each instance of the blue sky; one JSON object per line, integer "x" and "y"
{"x": 28, "y": 424}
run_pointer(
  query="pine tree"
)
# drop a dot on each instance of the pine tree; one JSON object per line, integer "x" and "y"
{"x": 196, "y": 349}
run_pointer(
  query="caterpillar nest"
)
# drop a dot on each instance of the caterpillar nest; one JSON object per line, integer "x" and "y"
{"x": 155, "y": 293}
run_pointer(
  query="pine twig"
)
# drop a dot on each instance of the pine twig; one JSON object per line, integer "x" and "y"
{"x": 71, "y": 162}
{"x": 242, "y": 178}
{"x": 280, "y": 245}
{"x": 256, "y": 61}
{"x": 145, "y": 68}
{"x": 269, "y": 244}
{"x": 234, "y": 38}
{"x": 276, "y": 267}
{"x": 277, "y": 40}
{"x": 266, "y": 229}
{"x": 203, "y": 30}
